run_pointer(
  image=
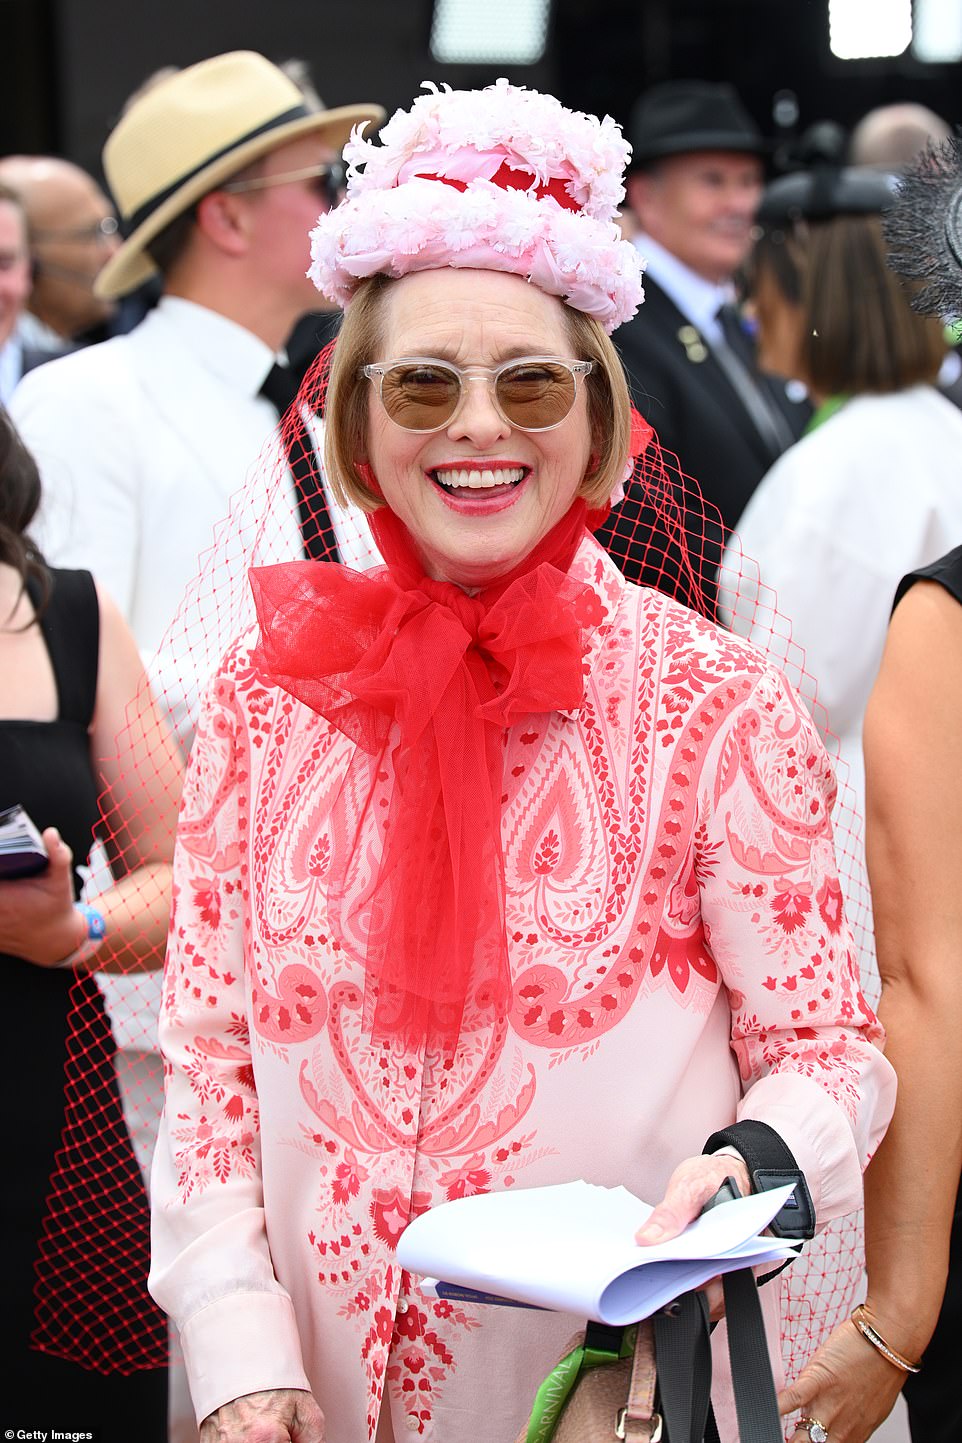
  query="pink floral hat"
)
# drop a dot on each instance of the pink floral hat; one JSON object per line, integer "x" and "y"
{"x": 502, "y": 178}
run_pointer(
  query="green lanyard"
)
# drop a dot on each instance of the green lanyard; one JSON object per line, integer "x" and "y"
{"x": 554, "y": 1392}
{"x": 825, "y": 412}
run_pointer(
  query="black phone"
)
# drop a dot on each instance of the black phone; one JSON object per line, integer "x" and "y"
{"x": 22, "y": 852}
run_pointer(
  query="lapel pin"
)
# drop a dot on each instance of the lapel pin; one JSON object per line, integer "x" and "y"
{"x": 695, "y": 348}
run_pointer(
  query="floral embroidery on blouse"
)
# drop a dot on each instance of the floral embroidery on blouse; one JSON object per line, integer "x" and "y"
{"x": 669, "y": 842}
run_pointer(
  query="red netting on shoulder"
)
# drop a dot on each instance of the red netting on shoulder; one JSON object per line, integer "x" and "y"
{"x": 663, "y": 534}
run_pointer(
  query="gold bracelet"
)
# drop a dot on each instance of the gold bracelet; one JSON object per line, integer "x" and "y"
{"x": 871, "y": 1334}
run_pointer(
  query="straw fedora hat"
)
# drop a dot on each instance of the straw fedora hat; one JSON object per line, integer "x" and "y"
{"x": 189, "y": 133}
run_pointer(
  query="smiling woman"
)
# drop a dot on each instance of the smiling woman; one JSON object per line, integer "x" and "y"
{"x": 465, "y": 532}
{"x": 491, "y": 833}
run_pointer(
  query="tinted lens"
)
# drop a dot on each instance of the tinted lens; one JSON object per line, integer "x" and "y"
{"x": 536, "y": 394}
{"x": 327, "y": 185}
{"x": 421, "y": 397}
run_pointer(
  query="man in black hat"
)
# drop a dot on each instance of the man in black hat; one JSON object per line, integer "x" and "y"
{"x": 695, "y": 181}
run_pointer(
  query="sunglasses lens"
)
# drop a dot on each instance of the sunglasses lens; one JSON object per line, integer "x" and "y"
{"x": 536, "y": 395}
{"x": 328, "y": 185}
{"x": 421, "y": 397}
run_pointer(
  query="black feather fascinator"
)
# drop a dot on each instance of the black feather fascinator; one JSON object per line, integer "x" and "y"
{"x": 923, "y": 230}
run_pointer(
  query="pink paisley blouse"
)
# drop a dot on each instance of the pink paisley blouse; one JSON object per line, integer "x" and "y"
{"x": 679, "y": 957}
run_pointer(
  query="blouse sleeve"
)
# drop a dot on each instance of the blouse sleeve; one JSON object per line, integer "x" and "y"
{"x": 211, "y": 1265}
{"x": 806, "y": 1041}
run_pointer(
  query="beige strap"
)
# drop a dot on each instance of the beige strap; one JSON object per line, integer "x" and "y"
{"x": 637, "y": 1421}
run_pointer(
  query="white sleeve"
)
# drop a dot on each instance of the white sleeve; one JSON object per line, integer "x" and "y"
{"x": 815, "y": 602}
{"x": 79, "y": 421}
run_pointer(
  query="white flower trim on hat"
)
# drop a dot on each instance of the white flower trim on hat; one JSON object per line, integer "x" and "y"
{"x": 394, "y": 221}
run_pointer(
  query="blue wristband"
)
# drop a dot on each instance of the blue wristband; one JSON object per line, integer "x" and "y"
{"x": 96, "y": 931}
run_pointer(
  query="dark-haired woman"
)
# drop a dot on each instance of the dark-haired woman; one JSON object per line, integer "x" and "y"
{"x": 873, "y": 490}
{"x": 75, "y": 715}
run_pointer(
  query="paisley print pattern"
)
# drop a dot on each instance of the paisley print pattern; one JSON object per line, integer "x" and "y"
{"x": 669, "y": 863}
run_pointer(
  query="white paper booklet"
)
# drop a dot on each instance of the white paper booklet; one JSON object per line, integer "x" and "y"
{"x": 22, "y": 852}
{"x": 570, "y": 1248}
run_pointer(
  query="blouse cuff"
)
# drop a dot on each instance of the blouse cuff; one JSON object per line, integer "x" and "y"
{"x": 816, "y": 1130}
{"x": 243, "y": 1343}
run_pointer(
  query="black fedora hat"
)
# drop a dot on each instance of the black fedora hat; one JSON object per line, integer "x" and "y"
{"x": 824, "y": 192}
{"x": 682, "y": 116}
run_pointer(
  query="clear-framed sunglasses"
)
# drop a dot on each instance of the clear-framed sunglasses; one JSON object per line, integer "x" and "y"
{"x": 533, "y": 393}
{"x": 324, "y": 181}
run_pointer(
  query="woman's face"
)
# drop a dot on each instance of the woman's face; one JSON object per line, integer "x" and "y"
{"x": 470, "y": 535}
{"x": 780, "y": 327}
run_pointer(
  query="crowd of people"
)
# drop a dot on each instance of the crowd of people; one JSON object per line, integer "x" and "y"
{"x": 487, "y": 666}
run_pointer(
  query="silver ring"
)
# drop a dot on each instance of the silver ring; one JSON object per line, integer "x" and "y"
{"x": 816, "y": 1431}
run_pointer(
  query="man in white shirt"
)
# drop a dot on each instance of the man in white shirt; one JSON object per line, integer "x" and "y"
{"x": 218, "y": 172}
{"x": 696, "y": 179}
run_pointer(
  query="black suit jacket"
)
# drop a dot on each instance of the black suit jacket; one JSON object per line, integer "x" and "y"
{"x": 699, "y": 417}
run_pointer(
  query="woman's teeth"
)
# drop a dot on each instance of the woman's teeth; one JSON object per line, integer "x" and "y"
{"x": 478, "y": 480}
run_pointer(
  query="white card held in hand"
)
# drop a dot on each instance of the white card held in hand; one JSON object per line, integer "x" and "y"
{"x": 570, "y": 1248}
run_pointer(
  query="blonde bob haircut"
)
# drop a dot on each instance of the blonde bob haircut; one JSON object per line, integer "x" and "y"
{"x": 348, "y": 398}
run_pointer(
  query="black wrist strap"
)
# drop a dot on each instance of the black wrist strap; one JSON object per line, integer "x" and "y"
{"x": 756, "y": 1402}
{"x": 683, "y": 1353}
{"x": 771, "y": 1164}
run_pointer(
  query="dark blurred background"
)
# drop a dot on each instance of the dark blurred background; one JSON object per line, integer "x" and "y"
{"x": 67, "y": 66}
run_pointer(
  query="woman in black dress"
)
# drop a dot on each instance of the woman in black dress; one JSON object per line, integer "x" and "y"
{"x": 86, "y": 1350}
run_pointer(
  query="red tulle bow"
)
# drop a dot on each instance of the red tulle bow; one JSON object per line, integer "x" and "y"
{"x": 394, "y": 649}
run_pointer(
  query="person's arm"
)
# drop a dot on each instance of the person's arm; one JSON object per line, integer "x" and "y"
{"x": 912, "y": 740}
{"x": 211, "y": 1266}
{"x": 137, "y": 763}
{"x": 140, "y": 768}
{"x": 775, "y": 929}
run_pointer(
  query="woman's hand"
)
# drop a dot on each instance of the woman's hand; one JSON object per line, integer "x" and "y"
{"x": 281, "y": 1415}
{"x": 690, "y": 1186}
{"x": 38, "y": 920}
{"x": 848, "y": 1386}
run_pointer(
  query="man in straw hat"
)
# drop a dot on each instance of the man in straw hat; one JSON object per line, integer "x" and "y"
{"x": 218, "y": 172}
